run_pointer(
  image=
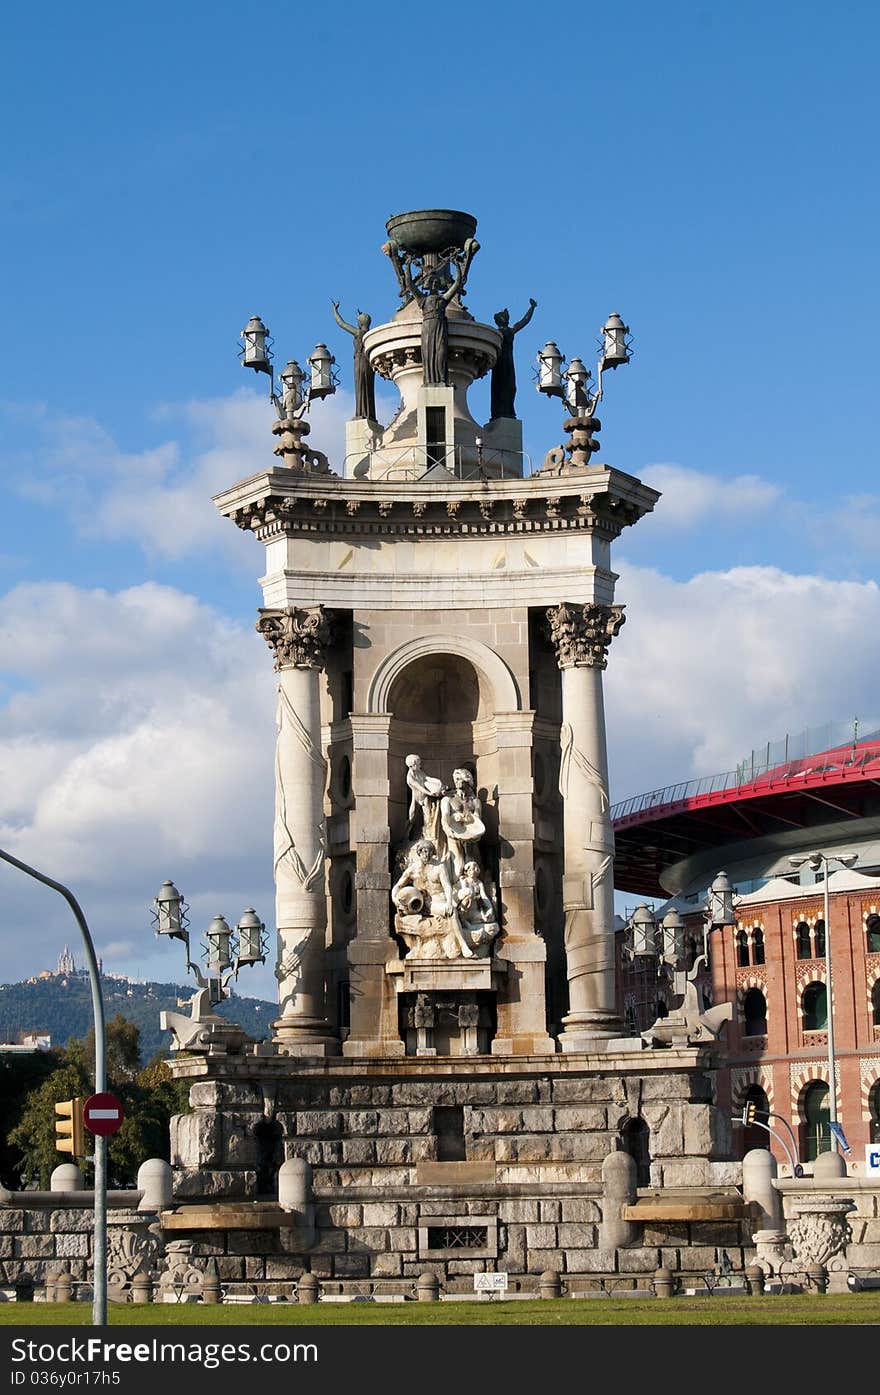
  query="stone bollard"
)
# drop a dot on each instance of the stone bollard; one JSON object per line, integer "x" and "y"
{"x": 619, "y": 1190}
{"x": 754, "y": 1280}
{"x": 817, "y": 1276}
{"x": 141, "y": 1289}
{"x": 49, "y": 1286}
{"x": 307, "y": 1289}
{"x": 154, "y": 1179}
{"x": 428, "y": 1288}
{"x": 550, "y": 1284}
{"x": 63, "y": 1286}
{"x": 66, "y": 1178}
{"x": 24, "y": 1288}
{"x": 827, "y": 1166}
{"x": 759, "y": 1171}
{"x": 664, "y": 1282}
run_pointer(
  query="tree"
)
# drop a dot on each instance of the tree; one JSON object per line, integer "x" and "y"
{"x": 149, "y": 1098}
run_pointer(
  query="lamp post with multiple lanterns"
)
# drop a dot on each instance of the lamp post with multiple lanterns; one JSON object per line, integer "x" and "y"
{"x": 226, "y": 951}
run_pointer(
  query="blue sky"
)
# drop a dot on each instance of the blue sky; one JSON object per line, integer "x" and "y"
{"x": 709, "y": 171}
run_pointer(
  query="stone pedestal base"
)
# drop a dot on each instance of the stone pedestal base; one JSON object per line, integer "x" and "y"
{"x": 589, "y": 1031}
{"x": 296, "y": 1036}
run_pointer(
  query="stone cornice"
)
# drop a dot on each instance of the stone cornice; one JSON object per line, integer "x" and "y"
{"x": 280, "y": 503}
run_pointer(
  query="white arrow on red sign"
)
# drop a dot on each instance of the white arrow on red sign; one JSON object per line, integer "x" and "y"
{"x": 102, "y": 1114}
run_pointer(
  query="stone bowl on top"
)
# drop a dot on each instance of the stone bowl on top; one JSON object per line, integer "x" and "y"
{"x": 431, "y": 230}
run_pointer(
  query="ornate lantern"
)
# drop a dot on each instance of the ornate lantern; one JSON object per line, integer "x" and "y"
{"x": 250, "y": 938}
{"x": 615, "y": 347}
{"x": 578, "y": 375}
{"x": 643, "y": 928}
{"x": 550, "y": 361}
{"x": 321, "y": 362}
{"x": 255, "y": 353}
{"x": 673, "y": 937}
{"x": 218, "y": 936}
{"x": 719, "y": 908}
{"x": 293, "y": 378}
{"x": 170, "y": 912}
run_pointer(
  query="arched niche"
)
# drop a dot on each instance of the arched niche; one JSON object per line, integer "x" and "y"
{"x": 444, "y": 694}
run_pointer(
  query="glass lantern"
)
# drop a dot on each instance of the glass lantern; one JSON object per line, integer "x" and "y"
{"x": 615, "y": 349}
{"x": 719, "y": 907}
{"x": 578, "y": 375}
{"x": 250, "y": 938}
{"x": 321, "y": 363}
{"x": 218, "y": 936}
{"x": 170, "y": 912}
{"x": 550, "y": 361}
{"x": 255, "y": 353}
{"x": 643, "y": 927}
{"x": 673, "y": 937}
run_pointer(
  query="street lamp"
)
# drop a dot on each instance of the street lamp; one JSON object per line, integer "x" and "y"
{"x": 689, "y": 1022}
{"x": 816, "y": 860}
{"x": 226, "y": 951}
{"x": 572, "y": 385}
{"x": 99, "y": 1286}
{"x": 296, "y": 397}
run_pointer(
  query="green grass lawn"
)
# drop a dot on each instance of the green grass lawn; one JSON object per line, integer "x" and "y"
{"x": 858, "y": 1309}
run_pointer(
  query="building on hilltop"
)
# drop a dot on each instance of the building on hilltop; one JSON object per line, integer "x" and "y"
{"x": 66, "y": 963}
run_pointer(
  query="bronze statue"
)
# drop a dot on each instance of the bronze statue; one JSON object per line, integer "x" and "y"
{"x": 435, "y": 327}
{"x": 364, "y": 377}
{"x": 504, "y": 373}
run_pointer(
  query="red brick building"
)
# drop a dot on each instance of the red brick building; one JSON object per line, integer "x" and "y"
{"x": 772, "y": 964}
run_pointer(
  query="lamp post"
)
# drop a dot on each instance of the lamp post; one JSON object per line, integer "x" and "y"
{"x": 226, "y": 951}
{"x": 572, "y": 385}
{"x": 99, "y": 1286}
{"x": 689, "y": 1022}
{"x": 256, "y": 353}
{"x": 816, "y": 860}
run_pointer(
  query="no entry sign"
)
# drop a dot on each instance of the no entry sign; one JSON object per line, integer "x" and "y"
{"x": 102, "y": 1114}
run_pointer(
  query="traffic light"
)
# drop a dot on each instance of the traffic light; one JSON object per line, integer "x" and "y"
{"x": 69, "y": 1131}
{"x": 749, "y": 1112}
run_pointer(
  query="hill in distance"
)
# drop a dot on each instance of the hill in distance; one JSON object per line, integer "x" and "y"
{"x": 62, "y": 1006}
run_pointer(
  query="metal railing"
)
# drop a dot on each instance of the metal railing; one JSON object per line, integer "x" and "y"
{"x": 413, "y": 462}
{"x": 847, "y": 760}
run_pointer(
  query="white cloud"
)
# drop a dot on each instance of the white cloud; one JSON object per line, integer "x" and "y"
{"x": 138, "y": 745}
{"x": 708, "y": 668}
{"x": 160, "y": 499}
{"x": 692, "y": 496}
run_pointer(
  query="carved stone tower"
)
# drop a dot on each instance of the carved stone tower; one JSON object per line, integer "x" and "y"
{"x": 432, "y": 598}
{"x": 447, "y": 1065}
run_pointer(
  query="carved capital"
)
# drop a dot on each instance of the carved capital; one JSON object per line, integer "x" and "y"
{"x": 581, "y": 634}
{"x": 298, "y": 637}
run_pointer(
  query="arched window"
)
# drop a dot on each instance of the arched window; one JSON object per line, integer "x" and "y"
{"x": 742, "y": 949}
{"x": 819, "y": 939}
{"x": 755, "y": 1013}
{"x": 814, "y": 1005}
{"x": 872, "y": 926}
{"x": 757, "y": 945}
{"x": 874, "y": 1111}
{"x": 636, "y": 1139}
{"x": 804, "y": 948}
{"x": 815, "y": 1133}
{"x": 752, "y": 1136}
{"x": 875, "y": 1003}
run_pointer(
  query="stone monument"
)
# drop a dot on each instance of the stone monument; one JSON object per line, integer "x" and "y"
{"x": 447, "y": 1047}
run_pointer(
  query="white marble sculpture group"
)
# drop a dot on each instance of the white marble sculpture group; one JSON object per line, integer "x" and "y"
{"x": 443, "y": 909}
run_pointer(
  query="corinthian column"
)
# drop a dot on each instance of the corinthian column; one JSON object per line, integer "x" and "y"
{"x": 299, "y": 639}
{"x": 581, "y": 635}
